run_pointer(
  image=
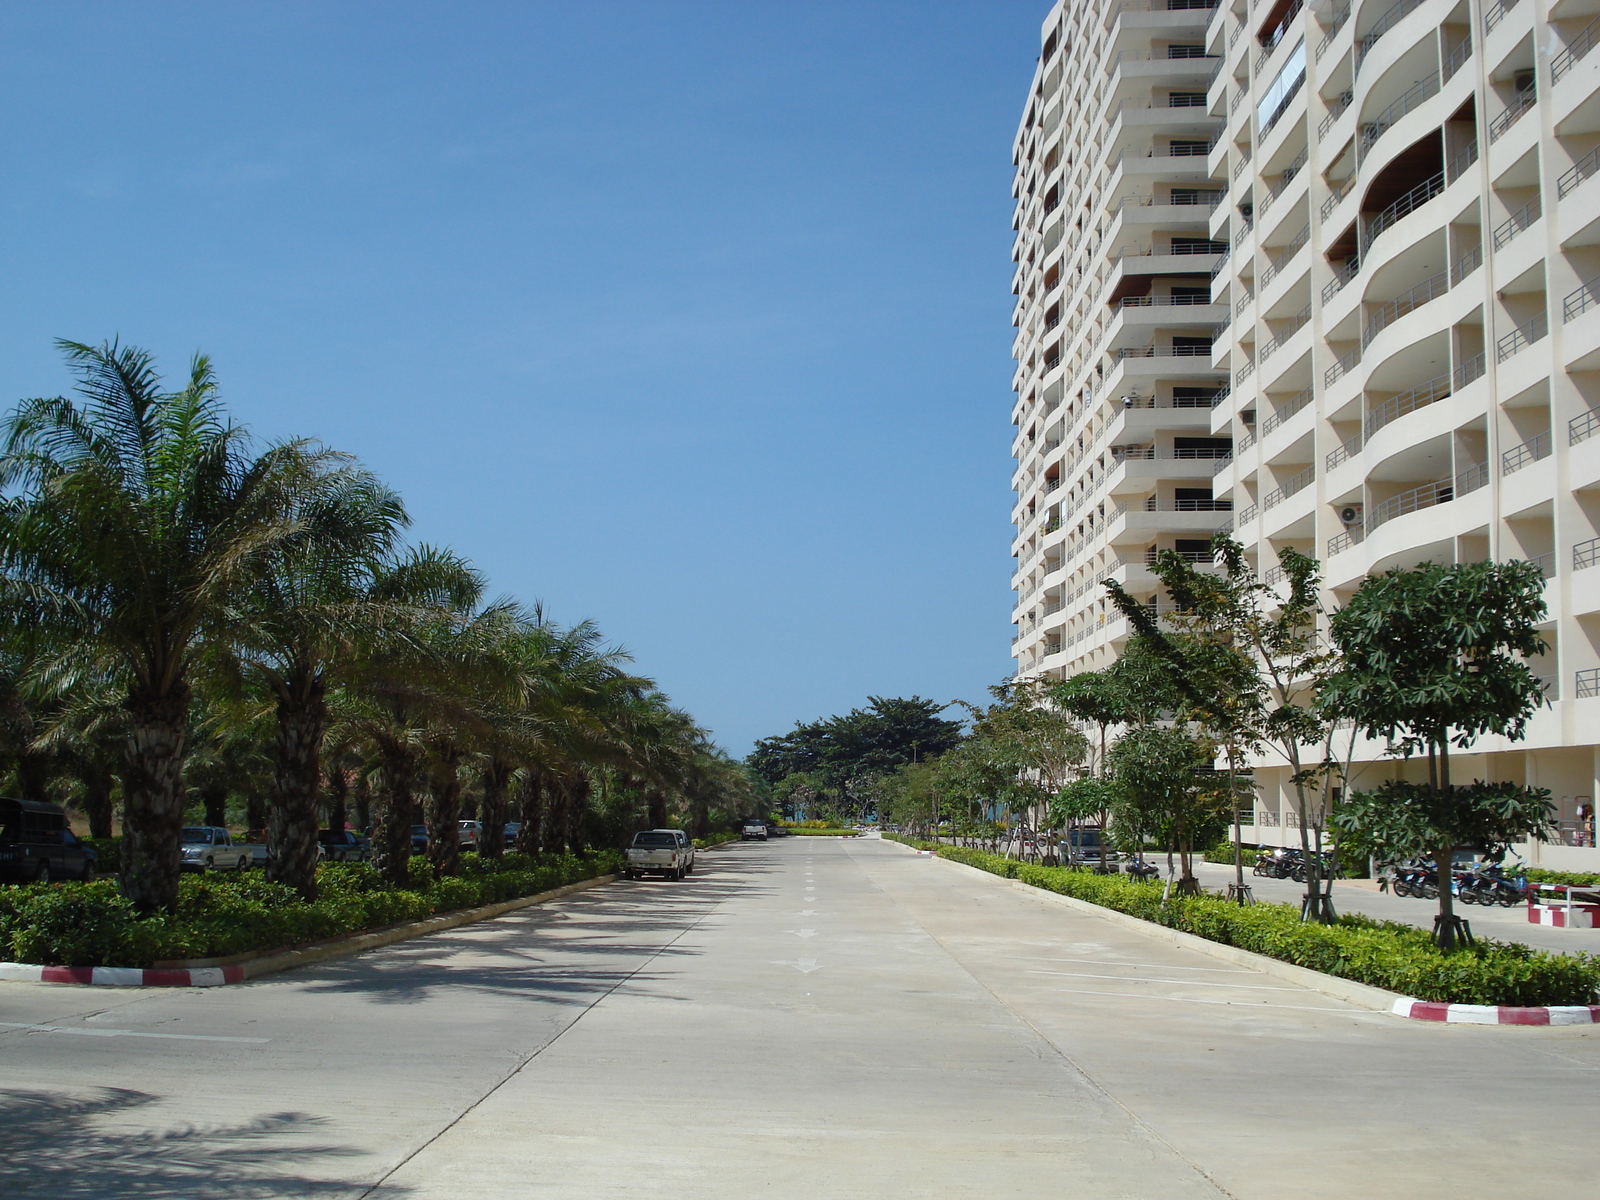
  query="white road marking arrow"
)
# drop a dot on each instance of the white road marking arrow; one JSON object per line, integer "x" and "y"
{"x": 802, "y": 932}
{"x": 808, "y": 912}
{"x": 805, "y": 965}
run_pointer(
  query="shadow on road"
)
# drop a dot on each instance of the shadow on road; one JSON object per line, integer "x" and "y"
{"x": 80, "y": 1148}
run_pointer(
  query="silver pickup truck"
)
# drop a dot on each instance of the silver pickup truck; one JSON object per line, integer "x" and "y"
{"x": 665, "y": 852}
{"x": 209, "y": 848}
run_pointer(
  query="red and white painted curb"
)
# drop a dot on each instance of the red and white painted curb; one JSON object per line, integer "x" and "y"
{"x": 1492, "y": 1014}
{"x": 123, "y": 976}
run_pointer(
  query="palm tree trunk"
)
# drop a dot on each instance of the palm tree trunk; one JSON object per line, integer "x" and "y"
{"x": 363, "y": 791}
{"x": 391, "y": 811}
{"x": 577, "y": 812}
{"x": 656, "y": 802}
{"x": 152, "y": 804}
{"x": 530, "y": 814}
{"x": 214, "y": 798}
{"x": 338, "y": 799}
{"x": 96, "y": 782}
{"x": 444, "y": 813}
{"x": 33, "y": 775}
{"x": 492, "y": 840}
{"x": 296, "y": 789}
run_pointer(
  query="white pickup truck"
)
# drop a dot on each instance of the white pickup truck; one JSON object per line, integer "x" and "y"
{"x": 209, "y": 848}
{"x": 665, "y": 852}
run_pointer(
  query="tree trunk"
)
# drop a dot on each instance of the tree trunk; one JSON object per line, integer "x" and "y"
{"x": 255, "y": 815}
{"x": 296, "y": 789}
{"x": 363, "y": 793}
{"x": 338, "y": 799}
{"x": 214, "y": 798}
{"x": 152, "y": 805}
{"x": 444, "y": 812}
{"x": 530, "y": 814}
{"x": 33, "y": 776}
{"x": 97, "y": 782}
{"x": 391, "y": 811}
{"x": 656, "y": 803}
{"x": 577, "y": 812}
{"x": 496, "y": 777}
{"x": 1444, "y": 858}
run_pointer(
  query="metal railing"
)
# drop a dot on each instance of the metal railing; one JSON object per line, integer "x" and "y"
{"x": 1577, "y": 173}
{"x": 1342, "y": 276}
{"x": 1163, "y": 352}
{"x": 1520, "y": 104}
{"x": 1295, "y": 483}
{"x": 1339, "y": 542}
{"x": 1343, "y": 452}
{"x": 1340, "y": 366}
{"x": 1296, "y": 402}
{"x": 1581, "y": 300}
{"x": 1495, "y": 13}
{"x": 1576, "y": 49}
{"x": 1384, "y": 23}
{"x": 1284, "y": 180}
{"x": 1583, "y": 427}
{"x": 1586, "y": 554}
{"x": 1531, "y": 451}
{"x": 1475, "y": 476}
{"x": 1245, "y": 371}
{"x": 1466, "y": 264}
{"x": 1408, "y": 301}
{"x": 1283, "y": 105}
{"x": 1337, "y": 193}
{"x": 1521, "y": 338}
{"x": 1455, "y": 57}
{"x": 1164, "y": 301}
{"x": 1155, "y": 505}
{"x": 1334, "y": 26}
{"x": 1283, "y": 257}
{"x": 1460, "y": 161}
{"x": 1427, "y": 495}
{"x": 1247, "y": 514}
{"x": 1405, "y": 205}
{"x": 1419, "y": 92}
{"x": 1336, "y": 109}
{"x": 1405, "y": 402}
{"x": 1588, "y": 683}
{"x": 1469, "y": 369}
{"x": 1295, "y": 324}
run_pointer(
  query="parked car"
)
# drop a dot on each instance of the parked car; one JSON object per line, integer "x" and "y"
{"x": 776, "y": 830}
{"x": 342, "y": 845}
{"x": 259, "y": 856}
{"x": 658, "y": 852}
{"x": 753, "y": 831}
{"x": 685, "y": 847}
{"x": 212, "y": 848}
{"x": 36, "y": 845}
{"x": 419, "y": 839}
{"x": 469, "y": 833}
{"x": 512, "y": 829}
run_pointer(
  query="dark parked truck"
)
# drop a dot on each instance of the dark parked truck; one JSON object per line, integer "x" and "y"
{"x": 341, "y": 845}
{"x": 36, "y": 846}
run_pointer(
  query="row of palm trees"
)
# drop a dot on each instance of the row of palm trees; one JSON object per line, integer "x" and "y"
{"x": 173, "y": 596}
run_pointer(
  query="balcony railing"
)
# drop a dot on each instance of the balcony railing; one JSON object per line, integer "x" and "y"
{"x": 1577, "y": 173}
{"x": 1588, "y": 683}
{"x": 1162, "y": 352}
{"x": 1531, "y": 451}
{"x": 1460, "y": 161}
{"x": 1337, "y": 193}
{"x": 1521, "y": 338}
{"x": 1340, "y": 366}
{"x": 1247, "y": 514}
{"x": 1154, "y": 505}
{"x": 1455, "y": 57}
{"x": 1419, "y": 92}
{"x": 1343, "y": 452}
{"x": 1580, "y": 301}
{"x": 1294, "y": 325}
{"x": 1342, "y": 276}
{"x": 1336, "y": 109}
{"x": 1283, "y": 257}
{"x": 1583, "y": 427}
{"x": 1404, "y": 206}
{"x": 1284, "y": 180}
{"x": 1407, "y": 401}
{"x": 1334, "y": 26}
{"x": 1150, "y": 453}
{"x": 1495, "y": 13}
{"x": 1576, "y": 49}
{"x": 1282, "y": 414}
{"x": 1427, "y": 495}
{"x": 1586, "y": 554}
{"x": 1340, "y": 542}
{"x": 1295, "y": 483}
{"x": 1466, "y": 264}
{"x": 1408, "y": 301}
{"x": 1385, "y": 23}
{"x": 1520, "y": 104}
{"x": 1469, "y": 369}
{"x": 1163, "y": 301}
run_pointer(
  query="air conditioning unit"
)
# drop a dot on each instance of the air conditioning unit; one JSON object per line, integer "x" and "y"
{"x": 1350, "y": 514}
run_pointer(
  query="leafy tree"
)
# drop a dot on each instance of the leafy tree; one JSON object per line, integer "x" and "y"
{"x": 1162, "y": 793}
{"x": 135, "y": 525}
{"x": 1435, "y": 657}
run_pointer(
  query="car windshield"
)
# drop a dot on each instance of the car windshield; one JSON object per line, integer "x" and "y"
{"x": 654, "y": 841}
{"x": 197, "y": 835}
{"x": 419, "y": 831}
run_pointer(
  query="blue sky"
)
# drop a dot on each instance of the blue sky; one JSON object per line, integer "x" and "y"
{"x": 691, "y": 318}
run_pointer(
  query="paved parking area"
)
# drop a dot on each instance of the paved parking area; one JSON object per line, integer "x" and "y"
{"x": 801, "y": 1019}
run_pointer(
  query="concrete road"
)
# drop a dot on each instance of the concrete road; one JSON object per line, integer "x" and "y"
{"x": 804, "y": 1018}
{"x": 1361, "y": 896}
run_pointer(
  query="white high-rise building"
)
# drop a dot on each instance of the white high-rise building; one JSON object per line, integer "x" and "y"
{"x": 1327, "y": 276}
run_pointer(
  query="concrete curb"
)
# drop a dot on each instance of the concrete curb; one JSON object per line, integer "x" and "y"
{"x": 267, "y": 964}
{"x": 1361, "y": 994}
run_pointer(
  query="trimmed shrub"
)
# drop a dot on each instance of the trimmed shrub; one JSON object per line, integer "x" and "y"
{"x": 1399, "y": 958}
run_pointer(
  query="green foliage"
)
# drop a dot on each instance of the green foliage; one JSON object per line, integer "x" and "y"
{"x": 76, "y": 924}
{"x": 838, "y": 751}
{"x": 1384, "y": 954}
{"x": 1087, "y": 799}
{"x": 1400, "y": 820}
{"x": 1571, "y": 878}
{"x": 1161, "y": 794}
{"x": 1223, "y": 853}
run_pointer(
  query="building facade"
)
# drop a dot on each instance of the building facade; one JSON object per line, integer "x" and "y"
{"x": 1328, "y": 277}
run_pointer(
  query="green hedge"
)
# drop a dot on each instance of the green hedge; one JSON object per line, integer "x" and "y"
{"x": 1575, "y": 878}
{"x": 90, "y": 924}
{"x": 1384, "y": 954}
{"x": 797, "y": 832}
{"x": 1224, "y": 855}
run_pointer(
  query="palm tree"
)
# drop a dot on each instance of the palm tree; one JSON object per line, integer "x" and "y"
{"x": 136, "y": 522}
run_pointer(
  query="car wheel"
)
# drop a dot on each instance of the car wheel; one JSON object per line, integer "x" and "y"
{"x": 89, "y": 873}
{"x": 43, "y": 873}
{"x": 244, "y": 862}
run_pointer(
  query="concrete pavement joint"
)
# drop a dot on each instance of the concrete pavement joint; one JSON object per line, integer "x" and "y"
{"x": 1088, "y": 1080}
{"x": 562, "y": 1032}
